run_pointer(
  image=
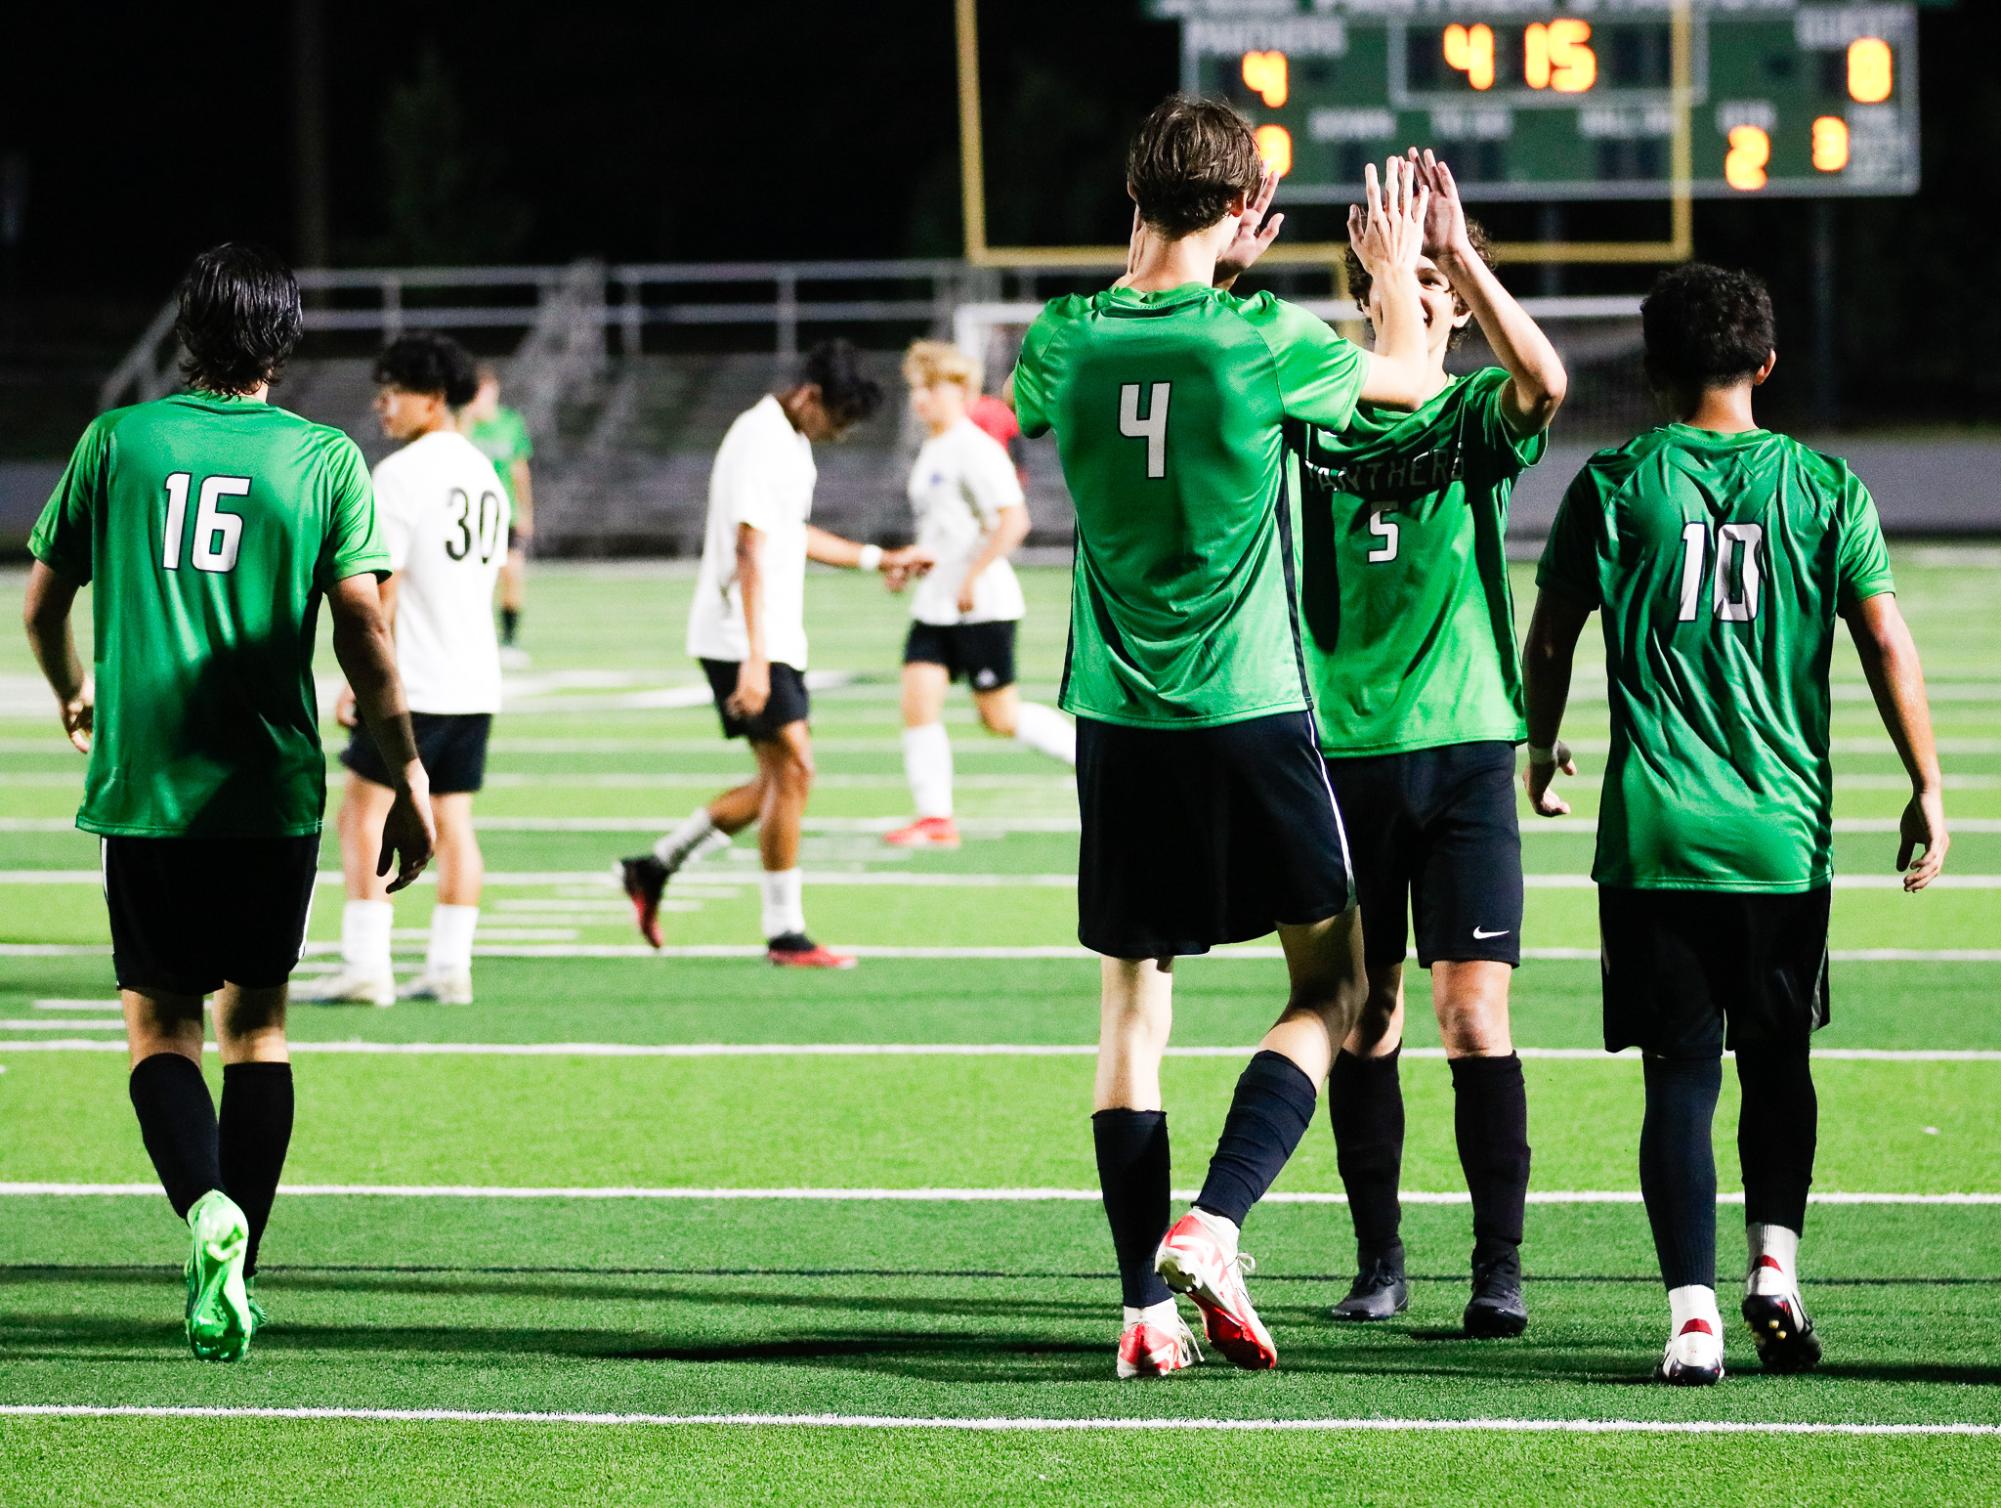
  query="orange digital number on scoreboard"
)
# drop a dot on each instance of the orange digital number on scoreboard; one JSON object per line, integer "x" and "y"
{"x": 1872, "y": 70}
{"x": 1557, "y": 55}
{"x": 1269, "y": 74}
{"x": 1470, "y": 50}
{"x": 1275, "y": 147}
{"x": 1830, "y": 144}
{"x": 1745, "y": 163}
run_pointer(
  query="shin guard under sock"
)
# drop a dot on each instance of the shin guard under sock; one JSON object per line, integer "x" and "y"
{"x": 1270, "y": 1112}
{"x": 1678, "y": 1166}
{"x": 1133, "y": 1173}
{"x": 255, "y": 1131}
{"x": 177, "y": 1123}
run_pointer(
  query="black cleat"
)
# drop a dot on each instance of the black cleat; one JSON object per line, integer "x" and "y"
{"x": 1497, "y": 1307}
{"x": 645, "y": 881}
{"x": 1379, "y": 1292}
{"x": 1783, "y": 1331}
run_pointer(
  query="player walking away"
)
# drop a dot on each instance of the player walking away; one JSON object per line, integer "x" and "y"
{"x": 1206, "y": 813}
{"x": 211, "y": 524}
{"x": 970, "y": 516}
{"x": 1719, "y": 555}
{"x": 748, "y": 629}
{"x": 443, "y": 515}
{"x": 1410, "y": 640}
{"x": 502, "y": 437}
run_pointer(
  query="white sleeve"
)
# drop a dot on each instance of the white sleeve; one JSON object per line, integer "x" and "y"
{"x": 989, "y": 479}
{"x": 742, "y": 483}
{"x": 395, "y": 514}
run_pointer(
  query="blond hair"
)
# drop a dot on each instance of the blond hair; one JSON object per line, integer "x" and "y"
{"x": 929, "y": 362}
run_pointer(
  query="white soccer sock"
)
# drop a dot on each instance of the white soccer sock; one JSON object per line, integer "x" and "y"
{"x": 784, "y": 906}
{"x": 364, "y": 937}
{"x": 927, "y": 764}
{"x": 696, "y": 838}
{"x": 1163, "y": 1314}
{"x": 1783, "y": 1247}
{"x": 452, "y": 928}
{"x": 1046, "y": 731}
{"x": 1693, "y": 1301}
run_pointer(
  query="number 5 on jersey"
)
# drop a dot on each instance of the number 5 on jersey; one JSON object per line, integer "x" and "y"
{"x": 1152, "y": 428}
{"x": 218, "y": 535}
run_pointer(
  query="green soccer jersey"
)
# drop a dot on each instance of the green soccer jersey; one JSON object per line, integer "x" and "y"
{"x": 209, "y": 526}
{"x": 1410, "y": 629}
{"x": 503, "y": 440}
{"x": 1719, "y": 563}
{"x": 1169, "y": 410}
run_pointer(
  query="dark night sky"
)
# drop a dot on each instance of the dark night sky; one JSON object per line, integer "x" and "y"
{"x": 757, "y": 130}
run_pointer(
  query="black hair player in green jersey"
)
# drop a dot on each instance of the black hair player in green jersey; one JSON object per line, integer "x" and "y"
{"x": 1719, "y": 556}
{"x": 1410, "y": 640}
{"x": 211, "y": 524}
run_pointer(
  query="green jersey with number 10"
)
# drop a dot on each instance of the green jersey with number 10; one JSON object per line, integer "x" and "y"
{"x": 1719, "y": 563}
{"x": 209, "y": 527}
{"x": 1170, "y": 410}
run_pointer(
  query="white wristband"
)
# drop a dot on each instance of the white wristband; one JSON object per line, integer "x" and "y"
{"x": 1542, "y": 756}
{"x": 871, "y": 558}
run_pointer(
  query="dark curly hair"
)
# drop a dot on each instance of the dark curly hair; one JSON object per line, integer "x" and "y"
{"x": 426, "y": 362}
{"x": 847, "y": 391}
{"x": 1706, "y": 327}
{"x": 1359, "y": 281}
{"x": 1190, "y": 159}
{"x": 238, "y": 318}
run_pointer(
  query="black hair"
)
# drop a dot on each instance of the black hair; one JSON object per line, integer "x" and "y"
{"x": 847, "y": 392}
{"x": 238, "y": 317}
{"x": 1706, "y": 327}
{"x": 426, "y": 362}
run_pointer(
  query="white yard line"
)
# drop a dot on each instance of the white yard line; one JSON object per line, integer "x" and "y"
{"x": 1001, "y": 1423}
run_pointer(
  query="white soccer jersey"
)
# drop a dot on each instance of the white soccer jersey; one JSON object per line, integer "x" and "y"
{"x": 959, "y": 484}
{"x": 763, "y": 477}
{"x": 443, "y": 515}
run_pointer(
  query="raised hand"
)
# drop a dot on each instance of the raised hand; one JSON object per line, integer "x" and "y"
{"x": 1388, "y": 234}
{"x": 1255, "y": 233}
{"x": 1445, "y": 218}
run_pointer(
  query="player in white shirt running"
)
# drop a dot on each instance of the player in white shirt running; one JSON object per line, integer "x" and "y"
{"x": 444, "y": 516}
{"x": 971, "y": 515}
{"x": 748, "y": 629}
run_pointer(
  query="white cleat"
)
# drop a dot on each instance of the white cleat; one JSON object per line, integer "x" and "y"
{"x": 352, "y": 987}
{"x": 1149, "y": 1348}
{"x": 1694, "y": 1356}
{"x": 446, "y": 987}
{"x": 1777, "y": 1317}
{"x": 1198, "y": 1260}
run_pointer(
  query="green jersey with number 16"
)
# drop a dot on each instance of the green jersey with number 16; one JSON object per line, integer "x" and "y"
{"x": 1170, "y": 410}
{"x": 1719, "y": 562}
{"x": 1410, "y": 628}
{"x": 209, "y": 526}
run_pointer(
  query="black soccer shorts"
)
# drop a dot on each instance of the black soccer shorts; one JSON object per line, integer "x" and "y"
{"x": 189, "y": 914}
{"x": 981, "y": 653}
{"x": 451, "y": 745}
{"x": 1691, "y": 972}
{"x": 789, "y": 702}
{"x": 1435, "y": 837}
{"x": 1201, "y": 836}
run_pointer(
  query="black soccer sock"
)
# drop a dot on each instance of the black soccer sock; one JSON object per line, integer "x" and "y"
{"x": 1365, "y": 1103}
{"x": 1490, "y": 1116}
{"x": 510, "y": 624}
{"x": 177, "y": 1123}
{"x": 1133, "y": 1173}
{"x": 1777, "y": 1130}
{"x": 255, "y": 1130}
{"x": 1678, "y": 1166}
{"x": 1270, "y": 1112}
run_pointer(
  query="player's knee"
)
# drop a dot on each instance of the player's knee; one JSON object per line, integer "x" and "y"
{"x": 1473, "y": 1025}
{"x": 795, "y": 772}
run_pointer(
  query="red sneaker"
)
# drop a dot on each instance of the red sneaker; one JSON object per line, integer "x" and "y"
{"x": 796, "y": 950}
{"x": 1149, "y": 1350}
{"x": 1194, "y": 1260}
{"x": 645, "y": 879}
{"x": 925, "y": 832}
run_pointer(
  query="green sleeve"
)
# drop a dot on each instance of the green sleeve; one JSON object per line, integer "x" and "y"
{"x": 1862, "y": 563}
{"x": 1515, "y": 453}
{"x": 1319, "y": 373}
{"x": 1570, "y": 557}
{"x": 62, "y": 536}
{"x": 521, "y": 445}
{"x": 353, "y": 541}
{"x": 1032, "y": 376}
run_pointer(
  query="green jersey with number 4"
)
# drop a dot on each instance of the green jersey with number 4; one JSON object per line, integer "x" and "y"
{"x": 209, "y": 527}
{"x": 1410, "y": 628}
{"x": 1719, "y": 563}
{"x": 1169, "y": 410}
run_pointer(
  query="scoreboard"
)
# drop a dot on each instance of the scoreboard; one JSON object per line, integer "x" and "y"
{"x": 1569, "y": 99}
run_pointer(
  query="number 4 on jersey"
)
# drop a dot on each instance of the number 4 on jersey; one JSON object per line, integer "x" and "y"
{"x": 1152, "y": 428}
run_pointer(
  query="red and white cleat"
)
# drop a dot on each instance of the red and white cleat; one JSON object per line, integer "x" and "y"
{"x": 795, "y": 950}
{"x": 1694, "y": 1357}
{"x": 1151, "y": 1349}
{"x": 645, "y": 879}
{"x": 925, "y": 832}
{"x": 1197, "y": 1260}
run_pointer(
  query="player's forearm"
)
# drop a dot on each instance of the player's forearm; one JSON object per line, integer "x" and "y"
{"x": 367, "y": 657}
{"x": 524, "y": 498}
{"x": 1002, "y": 540}
{"x": 1548, "y": 655}
{"x": 1398, "y": 369}
{"x": 46, "y": 617}
{"x": 1897, "y": 681}
{"x": 1539, "y": 381}
{"x": 832, "y": 549}
{"x": 750, "y": 590}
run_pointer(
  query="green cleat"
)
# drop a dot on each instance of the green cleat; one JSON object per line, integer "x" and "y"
{"x": 221, "y": 1319}
{"x": 259, "y": 1315}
